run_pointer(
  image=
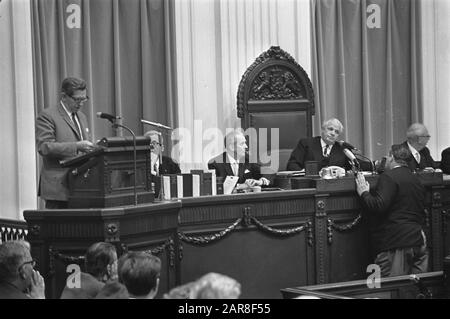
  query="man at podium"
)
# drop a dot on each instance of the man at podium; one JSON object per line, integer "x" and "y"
{"x": 61, "y": 132}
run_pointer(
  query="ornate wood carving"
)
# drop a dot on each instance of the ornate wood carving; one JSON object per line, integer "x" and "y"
{"x": 321, "y": 230}
{"x": 275, "y": 75}
{"x": 276, "y": 83}
{"x": 437, "y": 245}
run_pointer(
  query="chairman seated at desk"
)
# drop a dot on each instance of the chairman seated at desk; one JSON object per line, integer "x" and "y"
{"x": 324, "y": 149}
{"x": 235, "y": 162}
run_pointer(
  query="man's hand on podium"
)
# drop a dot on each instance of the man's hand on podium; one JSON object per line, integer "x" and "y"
{"x": 85, "y": 146}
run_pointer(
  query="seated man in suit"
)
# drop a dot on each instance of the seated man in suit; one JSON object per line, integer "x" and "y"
{"x": 235, "y": 162}
{"x": 445, "y": 160}
{"x": 325, "y": 149}
{"x": 417, "y": 138}
{"x": 168, "y": 166}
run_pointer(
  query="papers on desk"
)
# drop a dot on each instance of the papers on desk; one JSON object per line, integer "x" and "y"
{"x": 229, "y": 184}
{"x": 292, "y": 173}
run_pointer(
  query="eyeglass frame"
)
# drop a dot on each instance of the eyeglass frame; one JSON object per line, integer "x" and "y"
{"x": 154, "y": 143}
{"x": 78, "y": 99}
{"x": 32, "y": 262}
{"x": 427, "y": 136}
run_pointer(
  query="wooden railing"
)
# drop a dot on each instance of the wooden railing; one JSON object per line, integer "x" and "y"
{"x": 12, "y": 230}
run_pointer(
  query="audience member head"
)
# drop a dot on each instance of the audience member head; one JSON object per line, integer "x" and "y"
{"x": 73, "y": 93}
{"x": 217, "y": 286}
{"x": 398, "y": 155}
{"x": 113, "y": 290}
{"x": 331, "y": 129}
{"x": 101, "y": 261}
{"x": 140, "y": 272}
{"x": 209, "y": 286}
{"x": 236, "y": 144}
{"x": 418, "y": 136}
{"x": 16, "y": 264}
{"x": 155, "y": 141}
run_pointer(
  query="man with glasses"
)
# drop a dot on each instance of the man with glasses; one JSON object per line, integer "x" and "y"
{"x": 18, "y": 279}
{"x": 168, "y": 165}
{"x": 61, "y": 132}
{"x": 417, "y": 138}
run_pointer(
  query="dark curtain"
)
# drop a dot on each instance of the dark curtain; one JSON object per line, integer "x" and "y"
{"x": 369, "y": 78}
{"x": 119, "y": 48}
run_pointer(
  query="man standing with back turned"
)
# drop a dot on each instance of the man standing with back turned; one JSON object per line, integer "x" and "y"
{"x": 396, "y": 216}
{"x": 61, "y": 132}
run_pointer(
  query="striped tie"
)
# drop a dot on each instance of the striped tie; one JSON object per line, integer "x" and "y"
{"x": 325, "y": 150}
{"x": 74, "y": 120}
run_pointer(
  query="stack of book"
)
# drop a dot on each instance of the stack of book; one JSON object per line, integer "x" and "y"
{"x": 193, "y": 184}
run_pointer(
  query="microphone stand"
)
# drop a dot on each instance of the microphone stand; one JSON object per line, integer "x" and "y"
{"x": 117, "y": 125}
{"x": 371, "y": 163}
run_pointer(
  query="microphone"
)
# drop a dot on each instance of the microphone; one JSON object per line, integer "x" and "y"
{"x": 351, "y": 157}
{"x": 107, "y": 116}
{"x": 346, "y": 145}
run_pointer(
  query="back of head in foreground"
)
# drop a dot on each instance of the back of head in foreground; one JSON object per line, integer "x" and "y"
{"x": 209, "y": 286}
{"x": 140, "y": 272}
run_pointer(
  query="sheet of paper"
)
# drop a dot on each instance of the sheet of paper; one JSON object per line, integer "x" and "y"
{"x": 229, "y": 184}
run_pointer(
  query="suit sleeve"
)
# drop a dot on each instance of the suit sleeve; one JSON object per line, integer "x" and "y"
{"x": 429, "y": 161}
{"x": 297, "y": 159}
{"x": 382, "y": 197}
{"x": 46, "y": 140}
{"x": 175, "y": 168}
{"x": 256, "y": 171}
{"x": 445, "y": 161}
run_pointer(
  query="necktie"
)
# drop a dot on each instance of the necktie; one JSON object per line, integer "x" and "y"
{"x": 155, "y": 168}
{"x": 74, "y": 120}
{"x": 417, "y": 156}
{"x": 325, "y": 150}
{"x": 235, "y": 167}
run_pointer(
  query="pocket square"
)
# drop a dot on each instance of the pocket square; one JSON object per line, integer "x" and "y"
{"x": 246, "y": 171}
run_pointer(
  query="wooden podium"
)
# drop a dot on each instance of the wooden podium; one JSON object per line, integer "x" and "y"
{"x": 105, "y": 177}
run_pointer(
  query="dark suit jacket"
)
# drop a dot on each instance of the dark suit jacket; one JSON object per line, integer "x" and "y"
{"x": 425, "y": 159}
{"x": 56, "y": 138}
{"x": 310, "y": 149}
{"x": 9, "y": 291}
{"x": 396, "y": 210}
{"x": 223, "y": 168}
{"x": 169, "y": 166}
{"x": 445, "y": 160}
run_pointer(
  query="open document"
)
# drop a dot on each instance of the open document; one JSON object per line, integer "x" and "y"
{"x": 229, "y": 184}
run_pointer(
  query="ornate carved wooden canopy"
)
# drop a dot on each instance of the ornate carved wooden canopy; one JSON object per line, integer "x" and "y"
{"x": 276, "y": 93}
{"x": 274, "y": 75}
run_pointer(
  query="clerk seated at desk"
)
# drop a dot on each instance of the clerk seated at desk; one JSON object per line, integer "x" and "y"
{"x": 235, "y": 162}
{"x": 325, "y": 149}
{"x": 168, "y": 166}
